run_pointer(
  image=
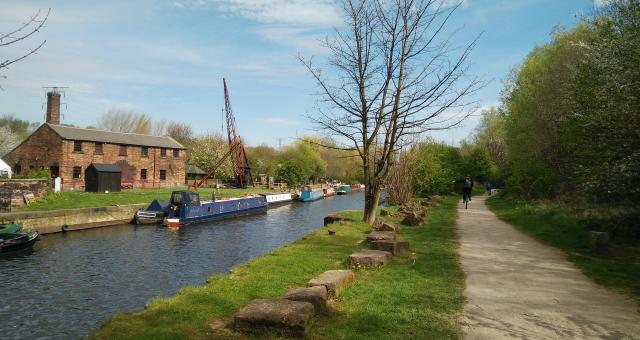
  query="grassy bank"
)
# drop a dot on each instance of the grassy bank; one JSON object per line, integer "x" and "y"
{"x": 414, "y": 297}
{"x": 80, "y": 199}
{"x": 619, "y": 269}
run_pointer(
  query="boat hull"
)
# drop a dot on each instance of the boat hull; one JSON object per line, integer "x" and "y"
{"x": 19, "y": 243}
{"x": 217, "y": 210}
{"x": 328, "y": 192}
{"x": 312, "y": 195}
{"x": 278, "y": 198}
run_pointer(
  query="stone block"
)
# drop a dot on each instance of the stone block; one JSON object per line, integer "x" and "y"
{"x": 292, "y": 318}
{"x": 367, "y": 257}
{"x": 381, "y": 235}
{"x": 334, "y": 218}
{"x": 316, "y": 295}
{"x": 386, "y": 226}
{"x": 393, "y": 246}
{"x": 333, "y": 280}
{"x": 413, "y": 219}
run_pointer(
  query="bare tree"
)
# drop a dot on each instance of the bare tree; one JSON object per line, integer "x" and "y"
{"x": 27, "y": 29}
{"x": 397, "y": 76}
{"x": 119, "y": 120}
{"x": 181, "y": 132}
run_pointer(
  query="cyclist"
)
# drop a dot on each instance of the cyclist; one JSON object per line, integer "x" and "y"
{"x": 467, "y": 185}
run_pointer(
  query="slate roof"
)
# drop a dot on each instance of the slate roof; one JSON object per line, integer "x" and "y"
{"x": 106, "y": 167}
{"x": 91, "y": 135}
{"x": 192, "y": 169}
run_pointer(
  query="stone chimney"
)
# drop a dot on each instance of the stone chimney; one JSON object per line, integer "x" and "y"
{"x": 53, "y": 107}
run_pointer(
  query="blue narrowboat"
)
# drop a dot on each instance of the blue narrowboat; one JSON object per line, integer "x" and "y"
{"x": 309, "y": 194}
{"x": 185, "y": 208}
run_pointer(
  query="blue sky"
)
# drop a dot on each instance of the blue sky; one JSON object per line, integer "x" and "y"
{"x": 167, "y": 58}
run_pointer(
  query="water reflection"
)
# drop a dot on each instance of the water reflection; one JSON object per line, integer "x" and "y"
{"x": 69, "y": 283}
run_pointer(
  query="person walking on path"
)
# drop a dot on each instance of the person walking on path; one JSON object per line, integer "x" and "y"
{"x": 467, "y": 186}
{"x": 489, "y": 186}
{"x": 518, "y": 288}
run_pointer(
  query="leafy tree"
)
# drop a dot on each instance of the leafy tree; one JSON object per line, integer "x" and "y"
{"x": 291, "y": 172}
{"x": 490, "y": 135}
{"x": 21, "y": 128}
{"x": 206, "y": 151}
{"x": 10, "y": 140}
{"x": 478, "y": 164}
{"x": 307, "y": 158}
{"x": 437, "y": 168}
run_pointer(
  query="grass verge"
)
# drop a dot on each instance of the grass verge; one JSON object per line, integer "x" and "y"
{"x": 414, "y": 297}
{"x": 81, "y": 199}
{"x": 619, "y": 269}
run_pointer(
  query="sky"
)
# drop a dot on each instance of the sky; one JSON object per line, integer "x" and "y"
{"x": 167, "y": 58}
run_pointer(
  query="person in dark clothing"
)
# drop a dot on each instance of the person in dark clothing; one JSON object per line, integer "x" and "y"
{"x": 467, "y": 186}
{"x": 489, "y": 187}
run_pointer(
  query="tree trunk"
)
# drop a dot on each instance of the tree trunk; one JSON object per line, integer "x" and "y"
{"x": 371, "y": 200}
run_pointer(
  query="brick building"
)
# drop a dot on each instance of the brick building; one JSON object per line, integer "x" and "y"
{"x": 146, "y": 161}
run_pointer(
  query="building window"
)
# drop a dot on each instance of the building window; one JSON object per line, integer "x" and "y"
{"x": 163, "y": 175}
{"x": 98, "y": 148}
{"x": 144, "y": 151}
{"x": 77, "y": 171}
{"x": 123, "y": 150}
{"x": 176, "y": 153}
{"x": 17, "y": 169}
{"x": 143, "y": 173}
{"x": 163, "y": 152}
{"x": 77, "y": 146}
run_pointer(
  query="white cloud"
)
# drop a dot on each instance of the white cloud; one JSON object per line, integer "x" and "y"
{"x": 306, "y": 12}
{"x": 600, "y": 3}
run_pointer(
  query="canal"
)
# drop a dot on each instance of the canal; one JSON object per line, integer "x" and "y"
{"x": 70, "y": 283}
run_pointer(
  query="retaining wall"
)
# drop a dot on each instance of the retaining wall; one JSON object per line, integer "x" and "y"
{"x": 46, "y": 222}
{"x": 19, "y": 187}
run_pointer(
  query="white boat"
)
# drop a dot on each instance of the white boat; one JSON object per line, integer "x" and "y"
{"x": 279, "y": 197}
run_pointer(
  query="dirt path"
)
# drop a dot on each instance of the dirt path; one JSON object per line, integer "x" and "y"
{"x": 517, "y": 288}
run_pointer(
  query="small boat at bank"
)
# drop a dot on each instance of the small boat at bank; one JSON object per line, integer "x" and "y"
{"x": 10, "y": 228}
{"x": 328, "y": 192}
{"x": 185, "y": 208}
{"x": 17, "y": 241}
{"x": 278, "y": 198}
{"x": 155, "y": 213}
{"x": 356, "y": 187}
{"x": 309, "y": 194}
{"x": 343, "y": 189}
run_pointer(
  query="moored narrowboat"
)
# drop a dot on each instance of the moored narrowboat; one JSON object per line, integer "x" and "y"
{"x": 343, "y": 189}
{"x": 185, "y": 208}
{"x": 328, "y": 192}
{"x": 278, "y": 198}
{"x": 309, "y": 194}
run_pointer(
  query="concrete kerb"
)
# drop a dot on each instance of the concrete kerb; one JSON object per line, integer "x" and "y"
{"x": 46, "y": 222}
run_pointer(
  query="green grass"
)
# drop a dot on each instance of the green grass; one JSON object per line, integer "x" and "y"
{"x": 81, "y": 199}
{"x": 418, "y": 296}
{"x": 619, "y": 269}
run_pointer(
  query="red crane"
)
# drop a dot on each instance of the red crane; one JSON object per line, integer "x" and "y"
{"x": 242, "y": 168}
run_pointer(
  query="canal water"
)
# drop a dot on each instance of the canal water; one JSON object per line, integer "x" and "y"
{"x": 70, "y": 283}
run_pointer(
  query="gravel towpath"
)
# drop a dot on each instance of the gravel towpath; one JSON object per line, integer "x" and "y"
{"x": 518, "y": 288}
